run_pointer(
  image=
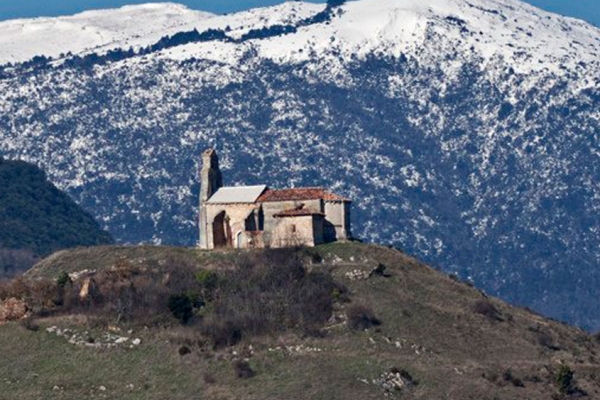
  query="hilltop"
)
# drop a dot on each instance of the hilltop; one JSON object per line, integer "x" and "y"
{"x": 340, "y": 321}
{"x": 472, "y": 124}
{"x": 37, "y": 219}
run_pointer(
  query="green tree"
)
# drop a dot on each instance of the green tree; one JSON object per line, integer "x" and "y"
{"x": 564, "y": 379}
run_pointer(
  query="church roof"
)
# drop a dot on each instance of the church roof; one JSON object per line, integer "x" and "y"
{"x": 310, "y": 193}
{"x": 237, "y": 194}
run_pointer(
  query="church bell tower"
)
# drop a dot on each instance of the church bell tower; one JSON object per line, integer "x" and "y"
{"x": 211, "y": 180}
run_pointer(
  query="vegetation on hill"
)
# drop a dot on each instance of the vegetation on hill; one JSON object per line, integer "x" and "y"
{"x": 37, "y": 219}
{"x": 339, "y": 321}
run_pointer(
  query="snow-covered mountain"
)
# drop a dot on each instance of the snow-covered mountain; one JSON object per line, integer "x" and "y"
{"x": 466, "y": 131}
{"x": 94, "y": 31}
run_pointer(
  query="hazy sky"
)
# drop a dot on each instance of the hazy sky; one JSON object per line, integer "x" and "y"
{"x": 585, "y": 9}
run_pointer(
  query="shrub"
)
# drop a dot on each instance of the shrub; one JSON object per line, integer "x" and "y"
{"x": 361, "y": 318}
{"x": 184, "y": 350}
{"x": 545, "y": 339}
{"x": 564, "y": 379}
{"x": 509, "y": 377}
{"x": 379, "y": 271}
{"x": 242, "y": 369}
{"x": 487, "y": 309}
{"x": 181, "y": 307}
{"x": 30, "y": 324}
{"x": 223, "y": 333}
{"x": 208, "y": 280}
{"x": 267, "y": 293}
{"x": 17, "y": 288}
{"x": 63, "y": 279}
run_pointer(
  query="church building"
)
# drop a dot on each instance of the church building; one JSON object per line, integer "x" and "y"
{"x": 258, "y": 216}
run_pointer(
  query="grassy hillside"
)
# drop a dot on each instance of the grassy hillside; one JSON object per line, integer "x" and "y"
{"x": 395, "y": 328}
{"x": 37, "y": 219}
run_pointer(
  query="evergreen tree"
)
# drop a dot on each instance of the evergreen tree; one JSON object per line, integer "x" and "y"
{"x": 335, "y": 3}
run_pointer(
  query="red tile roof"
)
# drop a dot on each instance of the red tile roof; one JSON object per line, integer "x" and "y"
{"x": 312, "y": 193}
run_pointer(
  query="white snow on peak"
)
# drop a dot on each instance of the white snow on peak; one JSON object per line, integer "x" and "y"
{"x": 98, "y": 30}
{"x": 523, "y": 35}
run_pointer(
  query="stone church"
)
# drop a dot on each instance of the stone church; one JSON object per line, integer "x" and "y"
{"x": 257, "y": 216}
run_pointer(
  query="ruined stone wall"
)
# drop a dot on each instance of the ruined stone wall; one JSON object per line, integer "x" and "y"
{"x": 318, "y": 230}
{"x": 337, "y": 221}
{"x": 237, "y": 214}
{"x": 296, "y": 231}
{"x": 275, "y": 207}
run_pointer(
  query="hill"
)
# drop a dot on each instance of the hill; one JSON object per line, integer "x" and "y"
{"x": 471, "y": 124}
{"x": 38, "y": 219}
{"x": 262, "y": 328}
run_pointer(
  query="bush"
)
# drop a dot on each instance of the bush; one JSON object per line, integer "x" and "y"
{"x": 487, "y": 309}
{"x": 267, "y": 293}
{"x": 63, "y": 279}
{"x": 361, "y": 318}
{"x": 379, "y": 271}
{"x": 545, "y": 339}
{"x": 208, "y": 280}
{"x": 223, "y": 333}
{"x": 263, "y": 293}
{"x": 30, "y": 324}
{"x": 184, "y": 350}
{"x": 181, "y": 307}
{"x": 242, "y": 370}
{"x": 509, "y": 377}
{"x": 564, "y": 379}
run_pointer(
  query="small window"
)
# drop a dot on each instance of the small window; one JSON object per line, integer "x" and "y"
{"x": 293, "y": 228}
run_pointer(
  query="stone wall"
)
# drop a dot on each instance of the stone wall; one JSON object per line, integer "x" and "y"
{"x": 236, "y": 214}
{"x": 337, "y": 224}
{"x": 211, "y": 180}
{"x": 310, "y": 230}
{"x": 304, "y": 230}
{"x": 276, "y": 207}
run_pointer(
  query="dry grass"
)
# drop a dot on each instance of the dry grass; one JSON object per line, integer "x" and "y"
{"x": 431, "y": 328}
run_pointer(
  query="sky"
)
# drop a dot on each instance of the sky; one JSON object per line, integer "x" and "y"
{"x": 588, "y": 10}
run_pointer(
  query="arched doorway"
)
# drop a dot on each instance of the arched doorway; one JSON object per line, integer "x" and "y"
{"x": 221, "y": 231}
{"x": 239, "y": 240}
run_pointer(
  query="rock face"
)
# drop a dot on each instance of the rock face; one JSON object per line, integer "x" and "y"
{"x": 472, "y": 147}
{"x": 12, "y": 309}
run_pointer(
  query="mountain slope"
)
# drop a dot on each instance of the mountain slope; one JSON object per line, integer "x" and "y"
{"x": 450, "y": 339}
{"x": 472, "y": 125}
{"x": 38, "y": 219}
